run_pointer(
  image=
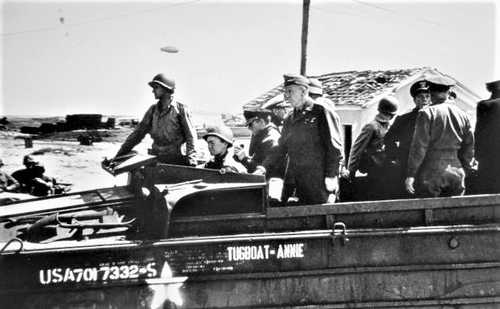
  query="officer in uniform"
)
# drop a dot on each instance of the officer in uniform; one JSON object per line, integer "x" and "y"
{"x": 169, "y": 124}
{"x": 265, "y": 136}
{"x": 316, "y": 93}
{"x": 367, "y": 153}
{"x": 487, "y": 145}
{"x": 398, "y": 139}
{"x": 442, "y": 148}
{"x": 311, "y": 137}
{"x": 219, "y": 139}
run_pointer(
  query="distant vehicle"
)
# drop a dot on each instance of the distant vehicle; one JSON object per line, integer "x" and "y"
{"x": 181, "y": 237}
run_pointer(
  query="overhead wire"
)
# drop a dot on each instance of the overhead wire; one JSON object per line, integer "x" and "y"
{"x": 387, "y": 10}
{"x": 97, "y": 20}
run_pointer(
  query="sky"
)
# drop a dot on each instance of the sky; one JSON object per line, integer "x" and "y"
{"x": 70, "y": 57}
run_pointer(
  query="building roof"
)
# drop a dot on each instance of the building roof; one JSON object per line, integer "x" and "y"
{"x": 355, "y": 88}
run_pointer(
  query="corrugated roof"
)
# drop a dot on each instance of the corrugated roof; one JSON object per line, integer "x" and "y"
{"x": 348, "y": 88}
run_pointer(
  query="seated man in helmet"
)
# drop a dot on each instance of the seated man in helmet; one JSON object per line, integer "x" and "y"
{"x": 169, "y": 124}
{"x": 220, "y": 139}
{"x": 367, "y": 154}
{"x": 32, "y": 178}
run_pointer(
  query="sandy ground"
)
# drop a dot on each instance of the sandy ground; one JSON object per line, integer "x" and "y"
{"x": 66, "y": 161}
{"x": 70, "y": 162}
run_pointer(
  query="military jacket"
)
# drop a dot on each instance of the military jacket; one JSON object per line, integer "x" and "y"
{"x": 169, "y": 129}
{"x": 225, "y": 161}
{"x": 487, "y": 146}
{"x": 312, "y": 139}
{"x": 398, "y": 138}
{"x": 442, "y": 128}
{"x": 369, "y": 142}
{"x": 262, "y": 144}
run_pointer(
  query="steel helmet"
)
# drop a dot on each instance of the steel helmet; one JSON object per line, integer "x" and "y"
{"x": 163, "y": 81}
{"x": 222, "y": 132}
{"x": 27, "y": 160}
{"x": 388, "y": 105}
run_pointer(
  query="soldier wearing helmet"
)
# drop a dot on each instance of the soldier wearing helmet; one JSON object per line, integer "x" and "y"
{"x": 169, "y": 124}
{"x": 312, "y": 141}
{"x": 399, "y": 136}
{"x": 367, "y": 153}
{"x": 32, "y": 179}
{"x": 441, "y": 151}
{"x": 219, "y": 139}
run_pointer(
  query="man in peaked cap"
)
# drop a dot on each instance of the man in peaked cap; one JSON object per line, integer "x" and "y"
{"x": 316, "y": 93}
{"x": 169, "y": 124}
{"x": 311, "y": 137}
{"x": 265, "y": 136}
{"x": 367, "y": 151}
{"x": 219, "y": 139}
{"x": 398, "y": 139}
{"x": 487, "y": 145}
{"x": 442, "y": 148}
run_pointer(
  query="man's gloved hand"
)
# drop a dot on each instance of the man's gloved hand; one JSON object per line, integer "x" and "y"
{"x": 344, "y": 173}
{"x": 332, "y": 184}
{"x": 192, "y": 162}
{"x": 410, "y": 185}
{"x": 239, "y": 152}
{"x": 259, "y": 170}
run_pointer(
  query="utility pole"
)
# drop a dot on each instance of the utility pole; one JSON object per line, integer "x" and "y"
{"x": 305, "y": 27}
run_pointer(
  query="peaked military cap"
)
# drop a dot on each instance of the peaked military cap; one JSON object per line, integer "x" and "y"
{"x": 163, "y": 81}
{"x": 252, "y": 115}
{"x": 315, "y": 86}
{"x": 440, "y": 83}
{"x": 295, "y": 79}
{"x": 493, "y": 85}
{"x": 420, "y": 86}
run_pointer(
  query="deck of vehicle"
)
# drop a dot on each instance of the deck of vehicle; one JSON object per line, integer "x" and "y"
{"x": 200, "y": 239}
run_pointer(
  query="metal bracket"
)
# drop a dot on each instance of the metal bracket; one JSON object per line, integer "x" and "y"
{"x": 330, "y": 221}
{"x": 428, "y": 217}
{"x": 15, "y": 239}
{"x": 343, "y": 233}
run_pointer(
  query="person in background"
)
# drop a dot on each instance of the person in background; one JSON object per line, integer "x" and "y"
{"x": 312, "y": 140}
{"x": 442, "y": 147}
{"x": 367, "y": 153}
{"x": 25, "y": 176}
{"x": 316, "y": 93}
{"x": 398, "y": 139}
{"x": 264, "y": 140}
{"x": 32, "y": 179}
{"x": 169, "y": 124}
{"x": 487, "y": 145}
{"x": 7, "y": 182}
{"x": 219, "y": 139}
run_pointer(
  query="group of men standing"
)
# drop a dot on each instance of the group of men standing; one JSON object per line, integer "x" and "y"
{"x": 430, "y": 148}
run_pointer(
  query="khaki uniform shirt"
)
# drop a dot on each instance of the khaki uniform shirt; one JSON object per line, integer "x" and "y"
{"x": 169, "y": 128}
{"x": 441, "y": 128}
